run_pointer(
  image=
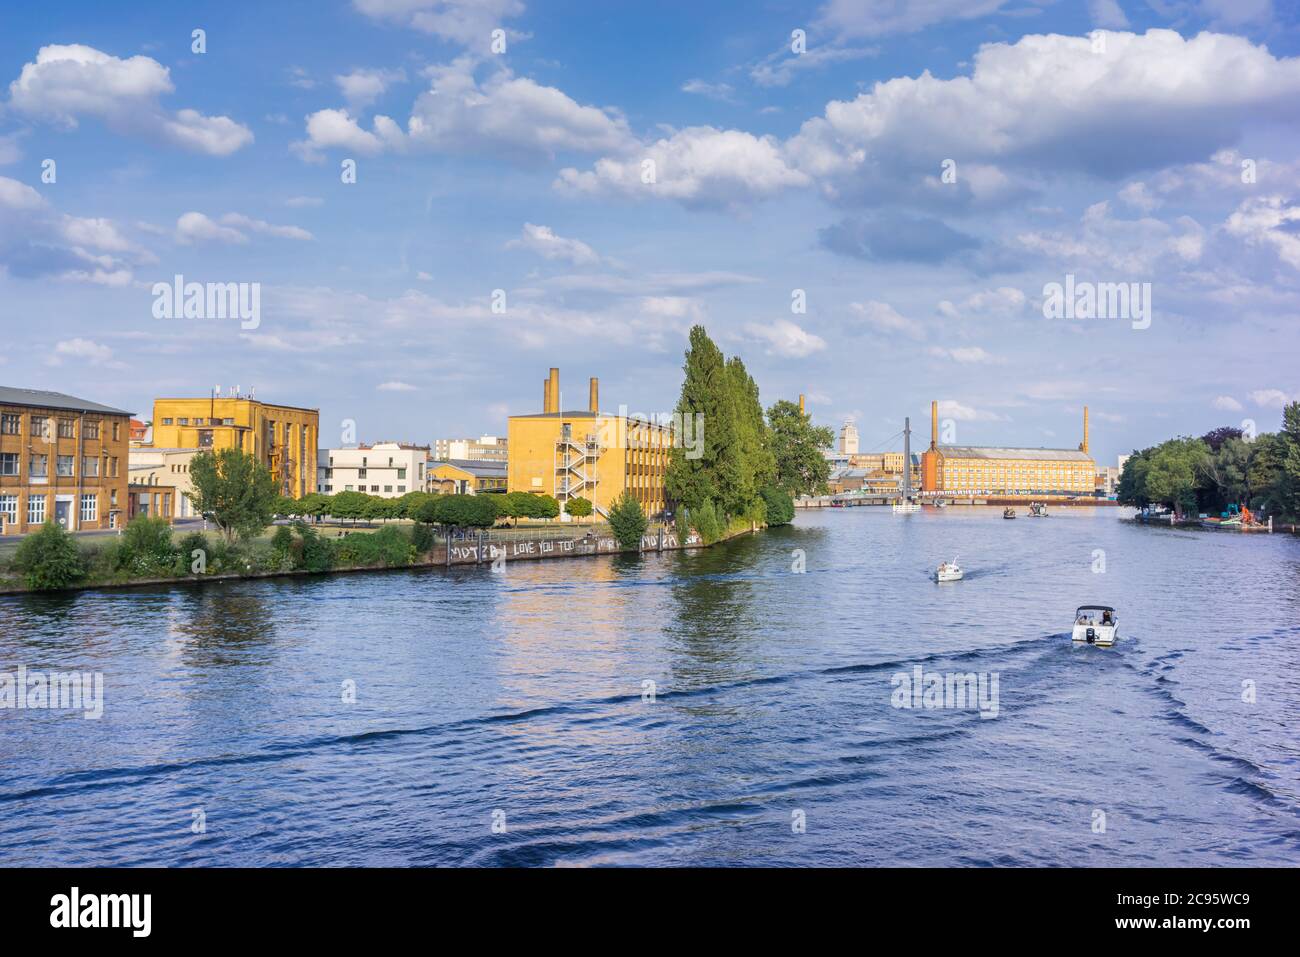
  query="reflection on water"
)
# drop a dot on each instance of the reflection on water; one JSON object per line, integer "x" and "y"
{"x": 522, "y": 692}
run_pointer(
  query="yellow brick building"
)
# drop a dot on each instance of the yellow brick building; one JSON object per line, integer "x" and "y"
{"x": 589, "y": 454}
{"x": 62, "y": 459}
{"x": 1006, "y": 472}
{"x": 284, "y": 438}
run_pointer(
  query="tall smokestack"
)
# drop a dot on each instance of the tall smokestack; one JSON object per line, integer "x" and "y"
{"x": 553, "y": 390}
{"x": 934, "y": 424}
{"x": 593, "y": 398}
{"x": 546, "y": 395}
{"x": 1084, "y": 447}
{"x": 801, "y": 405}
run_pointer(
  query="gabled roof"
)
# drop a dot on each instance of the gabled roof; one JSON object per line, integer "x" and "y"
{"x": 479, "y": 468}
{"x": 40, "y": 399}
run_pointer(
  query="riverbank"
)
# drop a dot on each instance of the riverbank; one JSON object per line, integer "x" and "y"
{"x": 1168, "y": 521}
{"x": 478, "y": 549}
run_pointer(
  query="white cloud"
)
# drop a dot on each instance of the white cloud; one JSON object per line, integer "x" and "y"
{"x": 1227, "y": 403}
{"x": 301, "y": 202}
{"x": 780, "y": 68}
{"x": 952, "y": 409}
{"x": 964, "y": 354}
{"x": 543, "y": 241}
{"x": 854, "y": 18}
{"x": 195, "y": 227}
{"x": 713, "y": 91}
{"x": 1268, "y": 221}
{"x": 699, "y": 166}
{"x": 1002, "y": 301}
{"x": 1270, "y": 398}
{"x": 469, "y": 22}
{"x": 785, "y": 338}
{"x": 261, "y": 226}
{"x": 394, "y": 386}
{"x": 362, "y": 87}
{"x": 336, "y": 129}
{"x": 86, "y": 350}
{"x": 1107, "y": 13}
{"x": 67, "y": 82}
{"x": 882, "y": 317}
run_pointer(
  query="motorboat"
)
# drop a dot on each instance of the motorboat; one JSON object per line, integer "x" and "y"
{"x": 1008, "y": 513}
{"x": 1096, "y": 625}
{"x": 1037, "y": 510}
{"x": 948, "y": 572}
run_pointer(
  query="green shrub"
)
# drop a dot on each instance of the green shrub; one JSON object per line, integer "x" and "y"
{"x": 422, "y": 538}
{"x": 146, "y": 547}
{"x": 628, "y": 521}
{"x": 49, "y": 558}
{"x": 779, "y": 506}
{"x": 389, "y": 546}
{"x": 189, "y": 544}
{"x": 707, "y": 523}
{"x": 317, "y": 554}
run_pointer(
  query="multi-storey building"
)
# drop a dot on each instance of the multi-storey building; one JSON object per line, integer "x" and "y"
{"x": 168, "y": 468}
{"x": 62, "y": 459}
{"x": 589, "y": 454}
{"x": 848, "y": 438}
{"x": 1006, "y": 472}
{"x": 467, "y": 476}
{"x": 385, "y": 469}
{"x": 486, "y": 448}
{"x": 282, "y": 437}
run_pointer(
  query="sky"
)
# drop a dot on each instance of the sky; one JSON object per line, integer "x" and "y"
{"x": 867, "y": 201}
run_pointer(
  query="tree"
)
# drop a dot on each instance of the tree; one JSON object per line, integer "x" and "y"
{"x": 578, "y": 507}
{"x": 1171, "y": 478}
{"x": 49, "y": 558}
{"x": 349, "y": 505}
{"x": 801, "y": 468}
{"x": 1216, "y": 437}
{"x": 235, "y": 490}
{"x": 519, "y": 505}
{"x": 546, "y": 507}
{"x": 778, "y": 504}
{"x": 628, "y": 521}
{"x": 460, "y": 511}
{"x": 694, "y": 479}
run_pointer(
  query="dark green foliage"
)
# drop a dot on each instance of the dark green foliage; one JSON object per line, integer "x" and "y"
{"x": 797, "y": 445}
{"x": 314, "y": 554}
{"x": 422, "y": 537}
{"x": 390, "y": 547}
{"x": 49, "y": 558}
{"x": 628, "y": 521}
{"x": 707, "y": 522}
{"x": 461, "y": 511}
{"x": 778, "y": 506}
{"x": 578, "y": 507}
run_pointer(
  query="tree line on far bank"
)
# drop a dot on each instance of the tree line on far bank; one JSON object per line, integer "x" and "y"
{"x": 1221, "y": 468}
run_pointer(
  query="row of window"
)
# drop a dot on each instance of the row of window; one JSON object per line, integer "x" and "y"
{"x": 327, "y": 489}
{"x": 38, "y": 466}
{"x": 362, "y": 473}
{"x": 183, "y": 420}
{"x": 11, "y": 424}
{"x": 89, "y": 509}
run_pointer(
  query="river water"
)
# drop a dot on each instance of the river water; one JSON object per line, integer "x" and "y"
{"x": 504, "y": 719}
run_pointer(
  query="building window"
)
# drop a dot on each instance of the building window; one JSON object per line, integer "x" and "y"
{"x": 401, "y": 473}
{"x": 63, "y": 466}
{"x": 9, "y": 424}
{"x": 184, "y": 421}
{"x": 91, "y": 430}
{"x": 205, "y": 438}
{"x": 117, "y": 431}
{"x": 8, "y": 463}
{"x": 38, "y": 466}
{"x": 40, "y": 427}
{"x": 361, "y": 473}
{"x": 66, "y": 429}
{"x": 36, "y": 510}
{"x": 347, "y": 488}
{"x": 401, "y": 488}
{"x": 112, "y": 463}
{"x": 90, "y": 466}
{"x": 227, "y": 421}
{"x": 89, "y": 508}
{"x": 9, "y": 508}
{"x": 388, "y": 488}
{"x": 167, "y": 421}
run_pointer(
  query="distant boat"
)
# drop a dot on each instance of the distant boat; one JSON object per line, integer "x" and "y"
{"x": 1037, "y": 510}
{"x": 1008, "y": 513}
{"x": 948, "y": 572}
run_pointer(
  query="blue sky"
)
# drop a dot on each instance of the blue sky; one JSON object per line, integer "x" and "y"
{"x": 1114, "y": 157}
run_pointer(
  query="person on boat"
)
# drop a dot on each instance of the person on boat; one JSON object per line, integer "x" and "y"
{"x": 1105, "y": 618}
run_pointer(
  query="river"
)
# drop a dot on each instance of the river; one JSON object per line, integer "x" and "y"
{"x": 505, "y": 719}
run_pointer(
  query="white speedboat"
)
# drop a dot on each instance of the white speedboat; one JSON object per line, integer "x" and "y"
{"x": 1096, "y": 625}
{"x": 1037, "y": 510}
{"x": 948, "y": 572}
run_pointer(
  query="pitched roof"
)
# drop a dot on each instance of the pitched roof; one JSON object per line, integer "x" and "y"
{"x": 999, "y": 452}
{"x": 40, "y": 399}
{"x": 480, "y": 468}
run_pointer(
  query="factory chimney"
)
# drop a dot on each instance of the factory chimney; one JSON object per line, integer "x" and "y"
{"x": 801, "y": 404}
{"x": 593, "y": 399}
{"x": 934, "y": 425}
{"x": 553, "y": 391}
{"x": 1083, "y": 446}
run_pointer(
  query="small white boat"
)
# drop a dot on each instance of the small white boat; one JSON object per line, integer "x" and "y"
{"x": 948, "y": 572}
{"x": 1037, "y": 510}
{"x": 1096, "y": 625}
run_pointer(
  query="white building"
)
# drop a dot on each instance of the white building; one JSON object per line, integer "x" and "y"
{"x": 151, "y": 466}
{"x": 486, "y": 448}
{"x": 848, "y": 438}
{"x": 385, "y": 469}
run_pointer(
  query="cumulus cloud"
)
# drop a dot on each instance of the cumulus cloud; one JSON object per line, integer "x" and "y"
{"x": 362, "y": 87}
{"x": 1270, "y": 221}
{"x": 882, "y": 317}
{"x": 1149, "y": 100}
{"x": 37, "y": 241}
{"x": 853, "y": 18}
{"x": 786, "y": 338}
{"x": 1271, "y": 398}
{"x": 963, "y": 354}
{"x": 469, "y": 22}
{"x": 85, "y": 350}
{"x": 713, "y": 91}
{"x": 952, "y": 409}
{"x": 699, "y": 166}
{"x": 68, "y": 82}
{"x": 1227, "y": 403}
{"x": 544, "y": 241}
{"x": 395, "y": 386}
{"x": 1002, "y": 301}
